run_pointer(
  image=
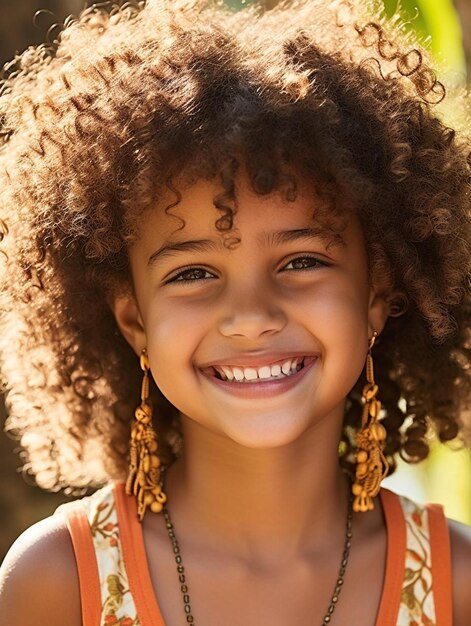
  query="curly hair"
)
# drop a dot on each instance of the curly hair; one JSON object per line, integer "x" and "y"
{"x": 132, "y": 101}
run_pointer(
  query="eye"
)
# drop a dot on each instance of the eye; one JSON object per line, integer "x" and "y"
{"x": 301, "y": 263}
{"x": 190, "y": 275}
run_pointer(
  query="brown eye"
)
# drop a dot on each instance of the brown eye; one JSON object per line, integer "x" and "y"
{"x": 190, "y": 275}
{"x": 306, "y": 263}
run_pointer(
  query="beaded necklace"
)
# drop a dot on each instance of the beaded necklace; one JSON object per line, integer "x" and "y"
{"x": 181, "y": 570}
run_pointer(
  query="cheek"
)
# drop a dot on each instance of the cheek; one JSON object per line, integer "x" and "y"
{"x": 338, "y": 317}
{"x": 342, "y": 301}
{"x": 173, "y": 335}
{"x": 170, "y": 327}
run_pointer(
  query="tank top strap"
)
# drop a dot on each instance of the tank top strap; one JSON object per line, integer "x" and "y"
{"x": 104, "y": 586}
{"x": 441, "y": 564}
{"x": 426, "y": 594}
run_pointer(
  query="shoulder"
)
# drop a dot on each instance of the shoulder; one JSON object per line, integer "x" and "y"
{"x": 460, "y": 541}
{"x": 38, "y": 578}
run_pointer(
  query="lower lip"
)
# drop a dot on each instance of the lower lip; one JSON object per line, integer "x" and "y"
{"x": 267, "y": 388}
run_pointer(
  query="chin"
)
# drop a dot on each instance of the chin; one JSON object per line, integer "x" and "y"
{"x": 265, "y": 435}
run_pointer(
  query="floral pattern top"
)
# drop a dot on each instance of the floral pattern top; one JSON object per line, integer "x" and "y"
{"x": 417, "y": 602}
{"x": 108, "y": 516}
{"x": 117, "y": 604}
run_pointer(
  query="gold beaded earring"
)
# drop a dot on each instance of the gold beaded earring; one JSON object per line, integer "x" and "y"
{"x": 372, "y": 465}
{"x": 144, "y": 465}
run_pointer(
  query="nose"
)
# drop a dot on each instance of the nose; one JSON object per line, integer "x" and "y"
{"x": 250, "y": 313}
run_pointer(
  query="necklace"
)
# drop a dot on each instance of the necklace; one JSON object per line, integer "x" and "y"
{"x": 181, "y": 570}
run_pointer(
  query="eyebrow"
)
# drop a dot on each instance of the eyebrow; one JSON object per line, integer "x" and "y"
{"x": 169, "y": 248}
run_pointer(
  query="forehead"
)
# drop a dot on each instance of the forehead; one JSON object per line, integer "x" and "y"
{"x": 187, "y": 222}
{"x": 204, "y": 208}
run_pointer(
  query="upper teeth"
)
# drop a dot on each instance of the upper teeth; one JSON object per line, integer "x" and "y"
{"x": 252, "y": 373}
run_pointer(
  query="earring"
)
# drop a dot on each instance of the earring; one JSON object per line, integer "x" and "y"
{"x": 144, "y": 466}
{"x": 372, "y": 465}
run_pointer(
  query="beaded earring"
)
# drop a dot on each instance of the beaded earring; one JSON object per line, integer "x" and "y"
{"x": 372, "y": 465}
{"x": 144, "y": 464}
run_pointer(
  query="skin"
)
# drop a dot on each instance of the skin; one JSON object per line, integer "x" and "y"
{"x": 272, "y": 516}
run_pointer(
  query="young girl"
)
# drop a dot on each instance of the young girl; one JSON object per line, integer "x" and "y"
{"x": 236, "y": 287}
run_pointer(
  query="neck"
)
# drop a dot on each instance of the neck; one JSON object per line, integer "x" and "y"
{"x": 263, "y": 505}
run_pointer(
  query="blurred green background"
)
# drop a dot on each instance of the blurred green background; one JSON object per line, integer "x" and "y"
{"x": 444, "y": 26}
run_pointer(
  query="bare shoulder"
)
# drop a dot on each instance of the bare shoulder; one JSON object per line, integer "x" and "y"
{"x": 38, "y": 578}
{"x": 460, "y": 539}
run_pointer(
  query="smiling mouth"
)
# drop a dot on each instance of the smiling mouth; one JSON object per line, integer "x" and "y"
{"x": 252, "y": 375}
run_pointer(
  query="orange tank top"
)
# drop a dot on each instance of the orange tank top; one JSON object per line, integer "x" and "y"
{"x": 116, "y": 588}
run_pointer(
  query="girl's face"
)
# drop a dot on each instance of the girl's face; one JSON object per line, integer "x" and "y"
{"x": 270, "y": 298}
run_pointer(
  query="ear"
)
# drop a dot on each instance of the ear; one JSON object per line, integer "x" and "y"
{"x": 129, "y": 320}
{"x": 378, "y": 309}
